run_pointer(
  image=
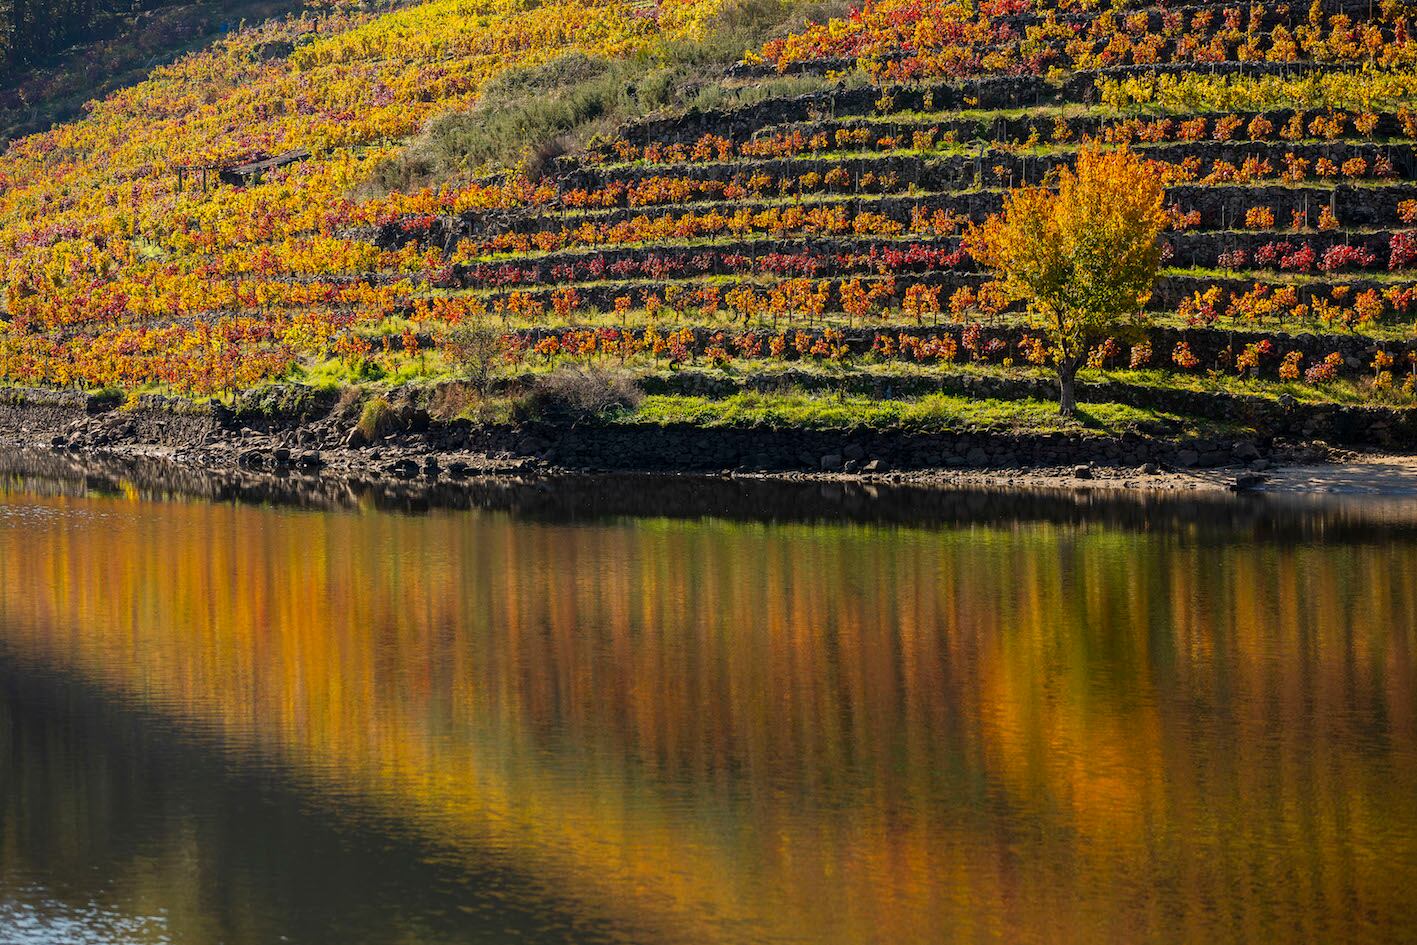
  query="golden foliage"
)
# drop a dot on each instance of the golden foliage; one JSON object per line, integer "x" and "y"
{"x": 1083, "y": 255}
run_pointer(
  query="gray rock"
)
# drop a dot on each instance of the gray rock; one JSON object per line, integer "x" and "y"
{"x": 831, "y": 461}
{"x": 1082, "y": 472}
{"x": 1246, "y": 481}
{"x": 1188, "y": 458}
{"x": 1246, "y": 451}
{"x": 874, "y": 466}
{"x": 976, "y": 457}
{"x": 402, "y": 468}
{"x": 853, "y": 451}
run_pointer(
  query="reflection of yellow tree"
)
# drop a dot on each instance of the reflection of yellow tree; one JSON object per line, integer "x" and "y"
{"x": 837, "y": 733}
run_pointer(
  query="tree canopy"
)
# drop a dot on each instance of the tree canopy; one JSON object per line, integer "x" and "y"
{"x": 1082, "y": 255}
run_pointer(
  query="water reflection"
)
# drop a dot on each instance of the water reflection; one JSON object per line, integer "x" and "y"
{"x": 117, "y": 827}
{"x": 1044, "y": 724}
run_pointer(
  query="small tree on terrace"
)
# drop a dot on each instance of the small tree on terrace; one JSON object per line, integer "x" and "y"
{"x": 475, "y": 352}
{"x": 1083, "y": 256}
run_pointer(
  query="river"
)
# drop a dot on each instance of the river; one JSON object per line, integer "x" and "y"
{"x": 645, "y": 711}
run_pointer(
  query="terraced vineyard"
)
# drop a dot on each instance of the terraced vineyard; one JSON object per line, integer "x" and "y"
{"x": 803, "y": 241}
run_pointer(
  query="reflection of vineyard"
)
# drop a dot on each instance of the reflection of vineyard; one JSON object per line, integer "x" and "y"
{"x": 827, "y": 733}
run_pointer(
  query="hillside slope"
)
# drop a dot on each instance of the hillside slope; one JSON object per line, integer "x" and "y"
{"x": 795, "y": 234}
{"x": 111, "y": 48}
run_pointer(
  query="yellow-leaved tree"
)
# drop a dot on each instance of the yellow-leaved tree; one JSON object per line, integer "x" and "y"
{"x": 1082, "y": 255}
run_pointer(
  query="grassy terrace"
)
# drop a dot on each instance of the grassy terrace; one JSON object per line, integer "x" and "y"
{"x": 934, "y": 413}
{"x": 638, "y": 318}
{"x": 819, "y": 376}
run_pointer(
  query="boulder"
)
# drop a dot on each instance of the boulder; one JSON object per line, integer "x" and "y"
{"x": 402, "y": 468}
{"x": 1247, "y": 481}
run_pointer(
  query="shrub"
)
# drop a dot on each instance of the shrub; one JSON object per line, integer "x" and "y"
{"x": 1234, "y": 259}
{"x": 1103, "y": 354}
{"x": 1259, "y": 218}
{"x": 1355, "y": 167}
{"x": 1202, "y": 308}
{"x": 577, "y": 394}
{"x": 1368, "y": 306}
{"x": 1301, "y": 260}
{"x": 1260, "y": 128}
{"x": 1402, "y": 250}
{"x": 1271, "y": 253}
{"x": 1326, "y": 370}
{"x": 474, "y": 351}
{"x": 1248, "y": 360}
{"x": 1342, "y": 257}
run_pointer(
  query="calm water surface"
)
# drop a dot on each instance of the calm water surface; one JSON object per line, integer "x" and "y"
{"x": 752, "y": 715}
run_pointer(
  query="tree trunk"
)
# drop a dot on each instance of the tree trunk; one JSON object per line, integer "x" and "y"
{"x": 1067, "y": 387}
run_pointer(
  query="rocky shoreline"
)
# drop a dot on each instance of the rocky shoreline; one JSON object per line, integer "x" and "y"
{"x": 305, "y": 433}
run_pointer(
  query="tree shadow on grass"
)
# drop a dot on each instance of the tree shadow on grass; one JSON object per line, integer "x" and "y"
{"x": 1086, "y": 418}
